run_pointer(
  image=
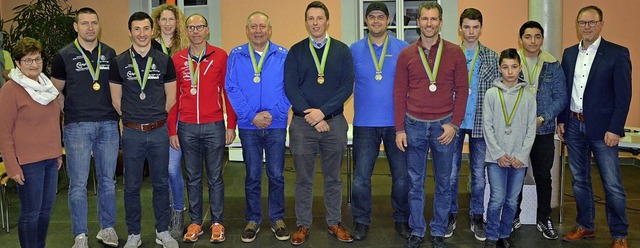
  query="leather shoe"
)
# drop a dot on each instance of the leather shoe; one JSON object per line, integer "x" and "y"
{"x": 403, "y": 229}
{"x": 340, "y": 232}
{"x": 620, "y": 243}
{"x": 578, "y": 233}
{"x": 300, "y": 235}
{"x": 359, "y": 231}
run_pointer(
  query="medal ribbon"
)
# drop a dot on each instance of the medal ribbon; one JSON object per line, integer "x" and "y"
{"x": 164, "y": 47}
{"x": 531, "y": 75}
{"x": 95, "y": 73}
{"x": 142, "y": 82}
{"x": 432, "y": 75}
{"x": 509, "y": 118}
{"x": 195, "y": 75}
{"x": 473, "y": 61}
{"x": 378, "y": 62}
{"x": 320, "y": 65}
{"x": 257, "y": 69}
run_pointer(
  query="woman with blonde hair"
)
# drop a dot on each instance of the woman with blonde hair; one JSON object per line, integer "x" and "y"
{"x": 169, "y": 36}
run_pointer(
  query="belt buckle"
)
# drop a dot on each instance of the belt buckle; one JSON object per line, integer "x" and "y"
{"x": 144, "y": 126}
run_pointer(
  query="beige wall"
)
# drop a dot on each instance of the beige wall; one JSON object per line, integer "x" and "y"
{"x": 501, "y": 23}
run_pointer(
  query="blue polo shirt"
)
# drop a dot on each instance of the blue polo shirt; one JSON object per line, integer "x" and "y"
{"x": 372, "y": 99}
{"x": 469, "y": 114}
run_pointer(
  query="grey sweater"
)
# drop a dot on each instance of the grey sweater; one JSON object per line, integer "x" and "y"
{"x": 523, "y": 126}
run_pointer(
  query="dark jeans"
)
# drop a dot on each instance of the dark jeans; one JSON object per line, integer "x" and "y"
{"x": 366, "y": 146}
{"x": 136, "y": 147}
{"x": 272, "y": 143}
{"x": 37, "y": 197}
{"x": 203, "y": 143}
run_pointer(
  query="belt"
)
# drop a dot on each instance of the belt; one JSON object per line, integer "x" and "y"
{"x": 145, "y": 126}
{"x": 326, "y": 117}
{"x": 578, "y": 116}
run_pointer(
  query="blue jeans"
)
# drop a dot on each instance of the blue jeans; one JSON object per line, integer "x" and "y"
{"x": 203, "y": 142}
{"x": 422, "y": 137}
{"x": 477, "y": 149}
{"x": 82, "y": 141}
{"x": 136, "y": 147}
{"x": 272, "y": 143}
{"x": 176, "y": 182}
{"x": 366, "y": 146}
{"x": 580, "y": 148}
{"x": 37, "y": 197}
{"x": 505, "y": 185}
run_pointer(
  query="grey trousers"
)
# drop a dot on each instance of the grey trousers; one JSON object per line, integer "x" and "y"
{"x": 306, "y": 143}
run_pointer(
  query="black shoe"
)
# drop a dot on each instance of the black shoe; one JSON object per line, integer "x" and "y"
{"x": 490, "y": 244}
{"x": 516, "y": 223}
{"x": 478, "y": 227}
{"x": 547, "y": 229}
{"x": 451, "y": 225}
{"x": 414, "y": 241}
{"x": 438, "y": 242}
{"x": 505, "y": 243}
{"x": 403, "y": 229}
{"x": 359, "y": 231}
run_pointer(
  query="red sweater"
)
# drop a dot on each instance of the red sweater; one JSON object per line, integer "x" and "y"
{"x": 411, "y": 95}
{"x": 29, "y": 131}
{"x": 206, "y": 105}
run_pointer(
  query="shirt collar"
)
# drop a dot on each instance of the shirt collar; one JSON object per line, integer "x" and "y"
{"x": 319, "y": 45}
{"x": 594, "y": 45}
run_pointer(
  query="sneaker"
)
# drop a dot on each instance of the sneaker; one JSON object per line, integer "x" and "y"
{"x": 359, "y": 231}
{"x": 279, "y": 229}
{"x": 516, "y": 223}
{"x": 176, "y": 226}
{"x": 250, "y": 231}
{"x": 414, "y": 241}
{"x": 217, "y": 233}
{"x": 438, "y": 242}
{"x": 505, "y": 243}
{"x": 478, "y": 227}
{"x": 193, "y": 232}
{"x": 340, "y": 232}
{"x": 133, "y": 241}
{"x": 490, "y": 244}
{"x": 108, "y": 236}
{"x": 547, "y": 229}
{"x": 165, "y": 239}
{"x": 403, "y": 229}
{"x": 451, "y": 225}
{"x": 81, "y": 241}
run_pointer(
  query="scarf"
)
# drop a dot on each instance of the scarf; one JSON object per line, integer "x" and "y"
{"x": 42, "y": 91}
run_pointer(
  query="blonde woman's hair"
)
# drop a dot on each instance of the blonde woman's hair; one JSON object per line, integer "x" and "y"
{"x": 180, "y": 39}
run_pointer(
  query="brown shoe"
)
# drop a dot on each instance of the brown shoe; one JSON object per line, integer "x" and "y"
{"x": 578, "y": 233}
{"x": 340, "y": 233}
{"x": 619, "y": 243}
{"x": 300, "y": 235}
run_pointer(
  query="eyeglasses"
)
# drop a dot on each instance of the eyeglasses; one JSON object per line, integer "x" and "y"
{"x": 591, "y": 23}
{"x": 191, "y": 28}
{"x": 30, "y": 61}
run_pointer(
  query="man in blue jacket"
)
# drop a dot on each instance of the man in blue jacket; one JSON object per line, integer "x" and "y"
{"x": 255, "y": 85}
{"x": 599, "y": 77}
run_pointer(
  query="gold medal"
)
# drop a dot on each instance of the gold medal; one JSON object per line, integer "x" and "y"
{"x": 320, "y": 79}
{"x": 143, "y": 96}
{"x": 96, "y": 86}
{"x": 433, "y": 87}
{"x": 378, "y": 76}
{"x": 256, "y": 78}
{"x": 193, "y": 91}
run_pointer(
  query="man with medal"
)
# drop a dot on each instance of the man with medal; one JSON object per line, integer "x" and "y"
{"x": 201, "y": 132}
{"x": 143, "y": 86}
{"x": 545, "y": 78}
{"x": 427, "y": 116}
{"x": 255, "y": 85}
{"x": 80, "y": 71}
{"x": 318, "y": 80}
{"x": 482, "y": 64}
{"x": 375, "y": 58}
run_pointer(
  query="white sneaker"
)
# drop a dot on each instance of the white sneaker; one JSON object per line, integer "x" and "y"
{"x": 165, "y": 239}
{"x": 133, "y": 241}
{"x": 108, "y": 236}
{"x": 82, "y": 241}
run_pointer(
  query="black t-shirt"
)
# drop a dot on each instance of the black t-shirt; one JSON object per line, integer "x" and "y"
{"x": 152, "y": 108}
{"x": 82, "y": 102}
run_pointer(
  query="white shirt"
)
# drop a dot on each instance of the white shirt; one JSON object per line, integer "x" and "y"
{"x": 581, "y": 74}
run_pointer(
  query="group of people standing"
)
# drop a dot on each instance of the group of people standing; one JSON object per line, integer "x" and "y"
{"x": 174, "y": 91}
